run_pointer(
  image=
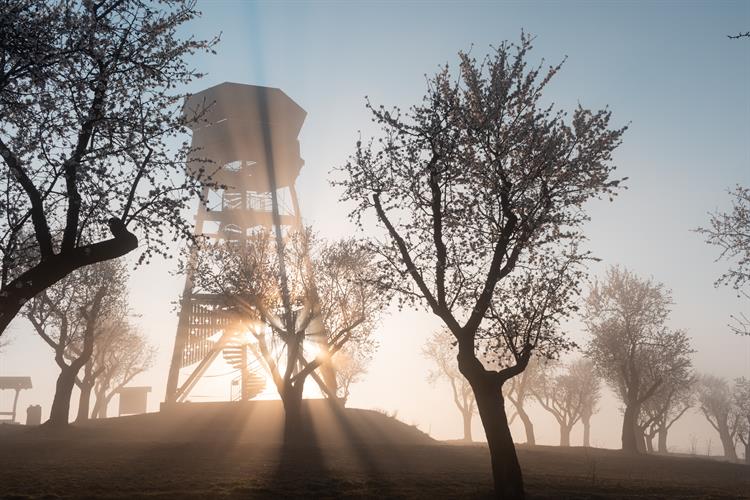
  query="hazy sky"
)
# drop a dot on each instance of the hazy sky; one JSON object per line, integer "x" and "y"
{"x": 665, "y": 68}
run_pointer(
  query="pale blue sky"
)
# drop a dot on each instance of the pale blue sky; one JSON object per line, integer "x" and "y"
{"x": 666, "y": 68}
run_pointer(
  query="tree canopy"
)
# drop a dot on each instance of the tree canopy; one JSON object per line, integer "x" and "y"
{"x": 466, "y": 186}
{"x": 633, "y": 349}
{"x": 90, "y": 128}
{"x": 730, "y": 231}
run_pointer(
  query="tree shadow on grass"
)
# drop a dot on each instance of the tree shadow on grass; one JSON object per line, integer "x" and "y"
{"x": 305, "y": 467}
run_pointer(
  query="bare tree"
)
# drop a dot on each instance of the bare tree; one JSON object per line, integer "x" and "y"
{"x": 560, "y": 393}
{"x": 350, "y": 365}
{"x": 90, "y": 373}
{"x": 120, "y": 355}
{"x": 69, "y": 317}
{"x": 632, "y": 349}
{"x": 715, "y": 401}
{"x": 278, "y": 301}
{"x": 463, "y": 186}
{"x": 741, "y": 402}
{"x": 517, "y": 390}
{"x": 440, "y": 350}
{"x": 585, "y": 377}
{"x": 668, "y": 404}
{"x": 730, "y": 231}
{"x": 87, "y": 107}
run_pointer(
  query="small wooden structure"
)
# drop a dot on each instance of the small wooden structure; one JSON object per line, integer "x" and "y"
{"x": 15, "y": 384}
{"x": 133, "y": 400}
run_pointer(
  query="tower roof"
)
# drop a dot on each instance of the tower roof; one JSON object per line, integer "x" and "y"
{"x": 249, "y": 103}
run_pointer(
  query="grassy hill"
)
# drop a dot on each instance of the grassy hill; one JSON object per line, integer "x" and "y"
{"x": 236, "y": 451}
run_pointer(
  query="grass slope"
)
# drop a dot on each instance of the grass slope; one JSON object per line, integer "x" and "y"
{"x": 192, "y": 455}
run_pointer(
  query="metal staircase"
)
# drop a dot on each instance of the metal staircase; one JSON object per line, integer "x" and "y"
{"x": 248, "y": 383}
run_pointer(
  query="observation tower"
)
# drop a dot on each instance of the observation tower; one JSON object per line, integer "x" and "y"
{"x": 247, "y": 141}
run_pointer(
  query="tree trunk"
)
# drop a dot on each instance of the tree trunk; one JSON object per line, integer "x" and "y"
{"x": 640, "y": 439}
{"x": 294, "y": 425}
{"x": 506, "y": 470}
{"x": 101, "y": 405}
{"x": 97, "y": 410}
{"x": 649, "y": 441}
{"x": 61, "y": 403}
{"x": 84, "y": 403}
{"x": 587, "y": 432}
{"x": 527, "y": 424}
{"x": 727, "y": 443}
{"x": 662, "y": 441}
{"x": 564, "y": 435}
{"x": 629, "y": 429}
{"x": 467, "y": 425}
{"x": 747, "y": 453}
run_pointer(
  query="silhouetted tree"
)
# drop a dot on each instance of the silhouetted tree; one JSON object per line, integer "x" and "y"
{"x": 584, "y": 376}
{"x": 90, "y": 373}
{"x": 278, "y": 302}
{"x": 350, "y": 365}
{"x": 69, "y": 316}
{"x": 632, "y": 349}
{"x": 730, "y": 231}
{"x": 517, "y": 390}
{"x": 715, "y": 401}
{"x": 560, "y": 392}
{"x": 668, "y": 404}
{"x": 741, "y": 402}
{"x": 87, "y": 105}
{"x": 441, "y": 351}
{"x": 465, "y": 185}
{"x": 120, "y": 354}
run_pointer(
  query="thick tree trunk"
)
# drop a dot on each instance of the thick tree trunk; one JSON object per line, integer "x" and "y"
{"x": 630, "y": 429}
{"x": 467, "y": 416}
{"x": 564, "y": 435}
{"x": 84, "y": 403}
{"x": 506, "y": 470}
{"x": 294, "y": 425}
{"x": 727, "y": 443}
{"x": 61, "y": 402}
{"x": 662, "y": 441}
{"x": 587, "y": 432}
{"x": 487, "y": 387}
{"x": 527, "y": 424}
{"x": 747, "y": 453}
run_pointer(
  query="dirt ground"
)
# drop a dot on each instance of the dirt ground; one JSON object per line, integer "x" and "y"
{"x": 86, "y": 463}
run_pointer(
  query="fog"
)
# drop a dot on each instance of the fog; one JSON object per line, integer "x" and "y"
{"x": 666, "y": 70}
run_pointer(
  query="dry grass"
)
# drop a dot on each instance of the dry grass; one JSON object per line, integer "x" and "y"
{"x": 91, "y": 463}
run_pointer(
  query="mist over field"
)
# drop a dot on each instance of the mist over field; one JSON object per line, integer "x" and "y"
{"x": 303, "y": 250}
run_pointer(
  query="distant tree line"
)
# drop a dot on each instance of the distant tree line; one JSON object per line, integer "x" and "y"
{"x": 84, "y": 318}
{"x": 478, "y": 193}
{"x": 646, "y": 364}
